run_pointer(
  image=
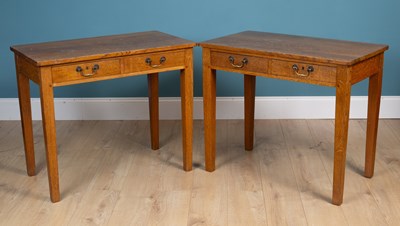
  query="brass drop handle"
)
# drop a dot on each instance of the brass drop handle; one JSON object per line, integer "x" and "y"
{"x": 149, "y": 62}
{"x": 295, "y": 68}
{"x": 232, "y": 61}
{"x": 95, "y": 68}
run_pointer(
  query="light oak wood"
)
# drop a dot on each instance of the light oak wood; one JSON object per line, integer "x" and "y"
{"x": 209, "y": 199}
{"x": 68, "y": 73}
{"x": 49, "y": 131}
{"x": 209, "y": 102}
{"x": 342, "y": 114}
{"x": 14, "y": 191}
{"x": 186, "y": 86}
{"x": 245, "y": 192}
{"x": 328, "y": 51}
{"x": 302, "y": 59}
{"x": 26, "y": 119}
{"x": 394, "y": 125}
{"x": 362, "y": 70}
{"x": 374, "y": 102}
{"x": 43, "y": 54}
{"x": 111, "y": 177}
{"x": 310, "y": 175}
{"x": 322, "y": 74}
{"x": 102, "y": 58}
{"x": 282, "y": 198}
{"x": 138, "y": 63}
{"x": 357, "y": 188}
{"x": 163, "y": 190}
{"x": 254, "y": 64}
{"x": 386, "y": 164}
{"x": 26, "y": 68}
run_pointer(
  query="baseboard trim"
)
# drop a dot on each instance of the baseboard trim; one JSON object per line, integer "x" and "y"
{"x": 227, "y": 108}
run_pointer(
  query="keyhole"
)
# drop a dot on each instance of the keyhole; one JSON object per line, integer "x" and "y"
{"x": 87, "y": 68}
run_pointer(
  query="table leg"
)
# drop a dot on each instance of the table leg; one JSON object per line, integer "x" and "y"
{"x": 152, "y": 81}
{"x": 26, "y": 121}
{"x": 186, "y": 78}
{"x": 343, "y": 91}
{"x": 249, "y": 99}
{"x": 209, "y": 100}
{"x": 374, "y": 100}
{"x": 49, "y": 129}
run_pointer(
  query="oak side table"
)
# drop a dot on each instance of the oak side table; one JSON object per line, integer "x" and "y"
{"x": 317, "y": 61}
{"x": 77, "y": 61}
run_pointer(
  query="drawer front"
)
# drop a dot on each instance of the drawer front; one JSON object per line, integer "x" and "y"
{"x": 153, "y": 61}
{"x": 304, "y": 71}
{"x": 239, "y": 62}
{"x": 85, "y": 70}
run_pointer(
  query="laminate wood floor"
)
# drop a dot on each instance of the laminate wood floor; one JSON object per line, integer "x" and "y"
{"x": 110, "y": 176}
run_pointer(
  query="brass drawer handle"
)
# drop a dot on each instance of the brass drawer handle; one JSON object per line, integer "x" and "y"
{"x": 95, "y": 68}
{"x": 295, "y": 68}
{"x": 149, "y": 62}
{"x": 232, "y": 61}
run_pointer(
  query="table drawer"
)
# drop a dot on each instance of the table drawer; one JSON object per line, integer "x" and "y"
{"x": 304, "y": 72}
{"x": 153, "y": 61}
{"x": 239, "y": 62}
{"x": 85, "y": 70}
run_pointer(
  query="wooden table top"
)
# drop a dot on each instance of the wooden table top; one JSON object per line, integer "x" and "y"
{"x": 51, "y": 53}
{"x": 297, "y": 47}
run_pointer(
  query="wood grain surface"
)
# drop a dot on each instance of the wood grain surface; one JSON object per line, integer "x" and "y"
{"x": 110, "y": 176}
{"x": 51, "y": 53}
{"x": 297, "y": 47}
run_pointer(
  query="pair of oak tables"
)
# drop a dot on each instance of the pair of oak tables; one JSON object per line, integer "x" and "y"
{"x": 317, "y": 61}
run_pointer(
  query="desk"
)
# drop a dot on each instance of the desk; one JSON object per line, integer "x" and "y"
{"x": 317, "y": 61}
{"x": 70, "y": 62}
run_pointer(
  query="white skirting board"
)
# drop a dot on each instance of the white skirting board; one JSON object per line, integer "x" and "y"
{"x": 309, "y": 107}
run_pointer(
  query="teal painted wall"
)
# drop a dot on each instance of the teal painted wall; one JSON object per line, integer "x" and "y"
{"x": 26, "y": 21}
